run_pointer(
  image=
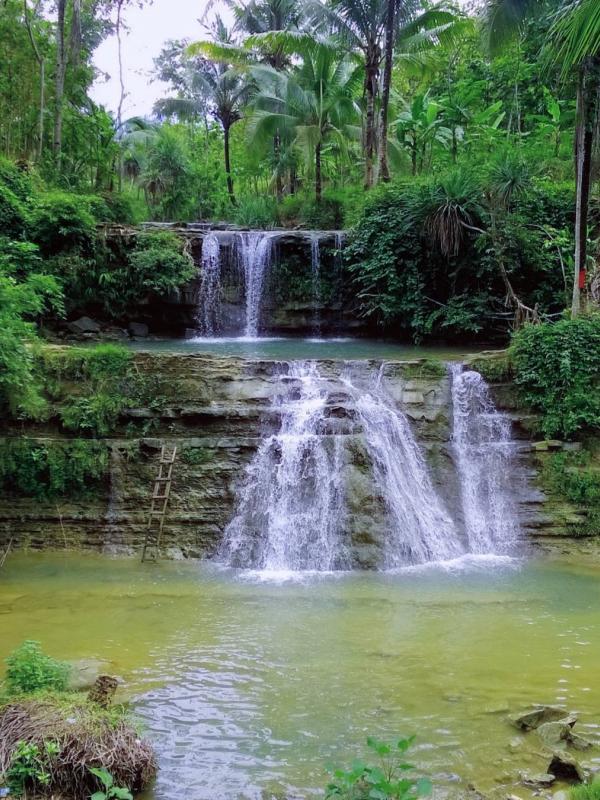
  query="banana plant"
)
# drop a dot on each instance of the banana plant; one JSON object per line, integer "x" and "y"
{"x": 419, "y": 126}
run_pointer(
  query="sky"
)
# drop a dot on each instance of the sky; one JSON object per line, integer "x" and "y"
{"x": 148, "y": 28}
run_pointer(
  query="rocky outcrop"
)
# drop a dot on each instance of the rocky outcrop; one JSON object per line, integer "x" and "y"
{"x": 216, "y": 410}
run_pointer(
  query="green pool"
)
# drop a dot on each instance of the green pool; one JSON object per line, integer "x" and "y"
{"x": 287, "y": 349}
{"x": 250, "y": 686}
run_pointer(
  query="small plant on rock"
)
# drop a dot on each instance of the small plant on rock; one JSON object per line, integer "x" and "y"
{"x": 109, "y": 791}
{"x": 386, "y": 780}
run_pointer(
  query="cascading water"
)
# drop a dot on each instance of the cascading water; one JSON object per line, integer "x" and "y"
{"x": 209, "y": 304}
{"x": 420, "y": 529}
{"x": 315, "y": 265}
{"x": 254, "y": 250}
{"x": 484, "y": 455}
{"x": 290, "y": 511}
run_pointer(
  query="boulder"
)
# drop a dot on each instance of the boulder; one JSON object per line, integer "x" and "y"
{"x": 554, "y": 733}
{"x": 85, "y": 672}
{"x": 565, "y": 767}
{"x": 537, "y": 780}
{"x": 578, "y": 742}
{"x": 138, "y": 329}
{"x": 83, "y": 325}
{"x": 532, "y": 719}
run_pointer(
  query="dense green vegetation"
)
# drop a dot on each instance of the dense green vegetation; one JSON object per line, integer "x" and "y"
{"x": 557, "y": 370}
{"x": 292, "y": 115}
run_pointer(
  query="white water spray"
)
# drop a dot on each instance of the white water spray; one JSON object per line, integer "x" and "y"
{"x": 291, "y": 509}
{"x": 209, "y": 305}
{"x": 254, "y": 251}
{"x": 485, "y": 460}
{"x": 315, "y": 265}
{"x": 420, "y": 529}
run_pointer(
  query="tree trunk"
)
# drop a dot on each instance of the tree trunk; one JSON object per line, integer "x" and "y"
{"x": 228, "y": 164}
{"x": 42, "y": 64}
{"x": 384, "y": 170}
{"x": 371, "y": 85}
{"x": 318, "y": 179}
{"x": 278, "y": 176}
{"x": 59, "y": 81}
{"x": 121, "y": 92}
{"x": 587, "y": 89}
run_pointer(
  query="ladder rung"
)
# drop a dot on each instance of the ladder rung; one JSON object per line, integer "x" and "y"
{"x": 151, "y": 549}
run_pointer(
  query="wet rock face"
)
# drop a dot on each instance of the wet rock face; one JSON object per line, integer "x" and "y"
{"x": 217, "y": 410}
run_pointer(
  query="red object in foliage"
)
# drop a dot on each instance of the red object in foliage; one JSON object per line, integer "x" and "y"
{"x": 582, "y": 279}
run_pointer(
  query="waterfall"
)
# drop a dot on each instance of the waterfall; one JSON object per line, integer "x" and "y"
{"x": 290, "y": 511}
{"x": 420, "y": 529}
{"x": 254, "y": 252}
{"x": 484, "y": 455}
{"x": 315, "y": 265}
{"x": 209, "y": 305}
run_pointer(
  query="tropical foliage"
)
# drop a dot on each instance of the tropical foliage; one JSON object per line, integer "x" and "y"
{"x": 285, "y": 117}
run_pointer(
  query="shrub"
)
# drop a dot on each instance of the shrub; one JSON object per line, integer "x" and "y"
{"x": 575, "y": 477}
{"x": 29, "y": 767}
{"x": 15, "y": 178}
{"x": 157, "y": 263}
{"x": 256, "y": 212}
{"x": 46, "y": 469}
{"x": 557, "y": 371}
{"x": 386, "y": 780}
{"x": 31, "y": 670}
{"x": 61, "y": 221}
{"x": 19, "y": 303}
{"x": 13, "y": 217}
{"x": 104, "y": 374}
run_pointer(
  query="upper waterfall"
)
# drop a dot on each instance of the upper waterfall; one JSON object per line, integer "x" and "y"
{"x": 254, "y": 251}
{"x": 485, "y": 455}
{"x": 209, "y": 302}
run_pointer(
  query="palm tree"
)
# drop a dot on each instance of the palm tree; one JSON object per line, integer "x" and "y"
{"x": 220, "y": 89}
{"x": 314, "y": 103}
{"x": 574, "y": 43}
{"x": 361, "y": 25}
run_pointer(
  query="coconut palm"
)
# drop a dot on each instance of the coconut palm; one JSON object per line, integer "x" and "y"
{"x": 314, "y": 104}
{"x": 214, "y": 88}
{"x": 574, "y": 43}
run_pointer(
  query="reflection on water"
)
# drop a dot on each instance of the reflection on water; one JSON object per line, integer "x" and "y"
{"x": 286, "y": 349}
{"x": 250, "y": 686}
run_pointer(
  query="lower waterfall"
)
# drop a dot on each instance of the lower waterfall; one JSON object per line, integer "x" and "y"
{"x": 485, "y": 461}
{"x": 290, "y": 511}
{"x": 420, "y": 528}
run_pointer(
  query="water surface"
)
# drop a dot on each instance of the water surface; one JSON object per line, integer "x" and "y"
{"x": 287, "y": 348}
{"x": 250, "y": 684}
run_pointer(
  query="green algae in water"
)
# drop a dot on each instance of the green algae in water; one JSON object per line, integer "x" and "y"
{"x": 247, "y": 684}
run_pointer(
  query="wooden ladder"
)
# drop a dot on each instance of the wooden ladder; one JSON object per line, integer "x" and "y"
{"x": 158, "y": 506}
